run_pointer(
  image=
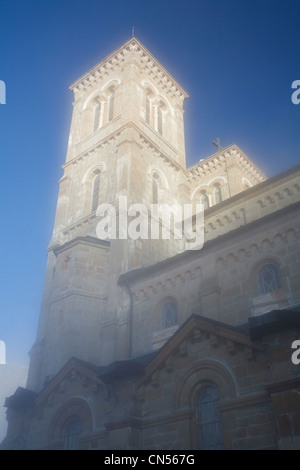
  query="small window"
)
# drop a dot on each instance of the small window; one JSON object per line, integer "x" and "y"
{"x": 97, "y": 116}
{"x": 95, "y": 192}
{"x": 268, "y": 279}
{"x": 169, "y": 315}
{"x": 218, "y": 194}
{"x": 111, "y": 106}
{"x": 204, "y": 199}
{"x": 72, "y": 433}
{"x": 147, "y": 110}
{"x": 208, "y": 419}
{"x": 159, "y": 120}
{"x": 155, "y": 189}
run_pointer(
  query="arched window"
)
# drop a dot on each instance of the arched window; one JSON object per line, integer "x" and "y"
{"x": 72, "y": 433}
{"x": 148, "y": 109}
{"x": 218, "y": 193}
{"x": 268, "y": 279}
{"x": 204, "y": 199}
{"x": 159, "y": 121}
{"x": 169, "y": 315}
{"x": 155, "y": 189}
{"x": 111, "y": 106}
{"x": 95, "y": 192}
{"x": 208, "y": 419}
{"x": 97, "y": 116}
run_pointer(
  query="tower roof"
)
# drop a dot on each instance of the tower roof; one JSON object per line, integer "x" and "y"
{"x": 133, "y": 44}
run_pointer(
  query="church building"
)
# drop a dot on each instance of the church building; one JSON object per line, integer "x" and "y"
{"x": 143, "y": 343}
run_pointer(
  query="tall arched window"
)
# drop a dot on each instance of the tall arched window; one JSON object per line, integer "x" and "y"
{"x": 218, "y": 193}
{"x": 268, "y": 279}
{"x": 72, "y": 433}
{"x": 169, "y": 315}
{"x": 204, "y": 199}
{"x": 97, "y": 116}
{"x": 208, "y": 419}
{"x": 155, "y": 189}
{"x": 159, "y": 120}
{"x": 148, "y": 109}
{"x": 95, "y": 192}
{"x": 111, "y": 106}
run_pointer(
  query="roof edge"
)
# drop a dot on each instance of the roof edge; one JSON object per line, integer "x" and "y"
{"x": 132, "y": 40}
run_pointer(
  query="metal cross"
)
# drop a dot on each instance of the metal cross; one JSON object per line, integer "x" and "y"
{"x": 217, "y": 143}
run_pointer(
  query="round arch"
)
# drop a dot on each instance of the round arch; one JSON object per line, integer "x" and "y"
{"x": 153, "y": 170}
{"x": 101, "y": 94}
{"x": 147, "y": 85}
{"x": 160, "y": 314}
{"x": 255, "y": 267}
{"x": 164, "y": 104}
{"x": 74, "y": 408}
{"x": 200, "y": 373}
{"x": 88, "y": 175}
{"x": 246, "y": 182}
{"x": 111, "y": 85}
{"x": 198, "y": 189}
{"x": 95, "y": 97}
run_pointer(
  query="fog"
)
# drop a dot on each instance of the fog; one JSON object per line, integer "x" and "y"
{"x": 12, "y": 376}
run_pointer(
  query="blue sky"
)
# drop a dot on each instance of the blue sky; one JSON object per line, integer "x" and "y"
{"x": 236, "y": 58}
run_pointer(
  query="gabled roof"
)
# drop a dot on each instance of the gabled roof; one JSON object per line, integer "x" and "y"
{"x": 74, "y": 365}
{"x": 237, "y": 338}
{"x": 100, "y": 375}
{"x": 195, "y": 325}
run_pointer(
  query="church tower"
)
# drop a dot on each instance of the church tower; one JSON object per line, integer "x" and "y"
{"x": 141, "y": 338}
{"x": 126, "y": 139}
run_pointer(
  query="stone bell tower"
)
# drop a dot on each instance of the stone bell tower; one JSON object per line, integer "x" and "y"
{"x": 126, "y": 139}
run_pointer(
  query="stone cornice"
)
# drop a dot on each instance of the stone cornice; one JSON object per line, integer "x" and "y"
{"x": 117, "y": 58}
{"x": 79, "y": 293}
{"x": 72, "y": 364}
{"x": 169, "y": 160}
{"x": 192, "y": 328}
{"x": 283, "y": 386}
{"x": 99, "y": 145}
{"x": 87, "y": 240}
{"x": 111, "y": 137}
{"x": 219, "y": 159}
{"x": 137, "y": 275}
{"x": 242, "y": 401}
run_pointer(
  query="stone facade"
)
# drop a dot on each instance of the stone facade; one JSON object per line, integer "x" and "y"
{"x": 151, "y": 402}
{"x": 137, "y": 338}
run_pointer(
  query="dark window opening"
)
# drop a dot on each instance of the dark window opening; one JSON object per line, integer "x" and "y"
{"x": 208, "y": 419}
{"x": 268, "y": 279}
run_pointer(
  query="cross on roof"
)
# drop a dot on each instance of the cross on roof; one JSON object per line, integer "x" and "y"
{"x": 217, "y": 143}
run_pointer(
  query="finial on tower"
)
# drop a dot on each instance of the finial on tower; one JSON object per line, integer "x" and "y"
{"x": 132, "y": 31}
